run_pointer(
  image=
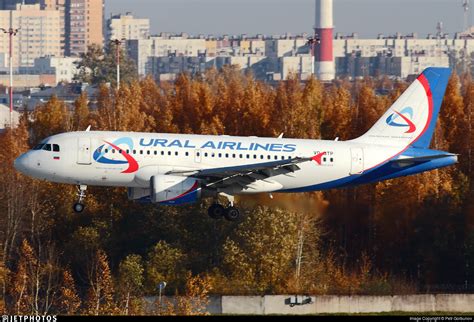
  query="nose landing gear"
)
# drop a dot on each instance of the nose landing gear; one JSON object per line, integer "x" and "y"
{"x": 79, "y": 207}
{"x": 231, "y": 213}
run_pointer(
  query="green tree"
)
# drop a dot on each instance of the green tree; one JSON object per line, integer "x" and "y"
{"x": 165, "y": 264}
{"x": 97, "y": 66}
{"x": 260, "y": 255}
{"x": 130, "y": 284}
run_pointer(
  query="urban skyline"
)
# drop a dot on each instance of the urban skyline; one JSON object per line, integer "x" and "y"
{"x": 368, "y": 18}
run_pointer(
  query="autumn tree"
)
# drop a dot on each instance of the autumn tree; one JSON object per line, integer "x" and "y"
{"x": 20, "y": 284}
{"x": 195, "y": 299}
{"x": 100, "y": 295}
{"x": 337, "y": 114}
{"x": 50, "y": 118}
{"x": 69, "y": 301}
{"x": 454, "y": 118}
{"x": 80, "y": 118}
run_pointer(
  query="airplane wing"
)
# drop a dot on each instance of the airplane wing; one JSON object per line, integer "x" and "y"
{"x": 244, "y": 174}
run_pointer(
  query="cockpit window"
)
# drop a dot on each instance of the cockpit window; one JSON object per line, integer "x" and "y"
{"x": 39, "y": 147}
{"x": 47, "y": 147}
{"x": 56, "y": 148}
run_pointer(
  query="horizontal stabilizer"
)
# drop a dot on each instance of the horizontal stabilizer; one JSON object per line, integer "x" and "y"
{"x": 427, "y": 158}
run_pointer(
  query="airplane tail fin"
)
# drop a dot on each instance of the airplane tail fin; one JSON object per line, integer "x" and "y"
{"x": 411, "y": 120}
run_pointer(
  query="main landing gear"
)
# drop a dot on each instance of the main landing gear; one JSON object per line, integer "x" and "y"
{"x": 217, "y": 211}
{"x": 79, "y": 207}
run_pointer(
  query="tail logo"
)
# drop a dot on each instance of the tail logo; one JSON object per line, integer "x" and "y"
{"x": 99, "y": 154}
{"x": 402, "y": 119}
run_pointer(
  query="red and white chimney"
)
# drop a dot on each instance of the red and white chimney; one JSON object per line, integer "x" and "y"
{"x": 324, "y": 29}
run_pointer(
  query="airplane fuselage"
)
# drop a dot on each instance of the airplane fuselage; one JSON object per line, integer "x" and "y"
{"x": 89, "y": 158}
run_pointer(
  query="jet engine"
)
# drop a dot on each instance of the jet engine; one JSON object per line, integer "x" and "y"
{"x": 174, "y": 190}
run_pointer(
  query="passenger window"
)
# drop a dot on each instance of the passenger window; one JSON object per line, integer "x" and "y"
{"x": 269, "y": 157}
{"x": 169, "y": 152}
{"x": 176, "y": 153}
{"x": 227, "y": 155}
{"x": 141, "y": 151}
{"x": 332, "y": 160}
{"x": 206, "y": 154}
{"x": 148, "y": 152}
{"x": 187, "y": 154}
{"x": 220, "y": 155}
{"x": 261, "y": 157}
{"x": 162, "y": 152}
{"x": 56, "y": 148}
{"x": 113, "y": 150}
{"x": 254, "y": 156}
{"x": 106, "y": 151}
{"x": 47, "y": 147}
{"x": 156, "y": 152}
{"x": 241, "y": 156}
{"x": 198, "y": 154}
{"x": 324, "y": 159}
{"x": 213, "y": 155}
{"x": 120, "y": 151}
{"x": 233, "y": 155}
{"x": 134, "y": 151}
{"x": 248, "y": 156}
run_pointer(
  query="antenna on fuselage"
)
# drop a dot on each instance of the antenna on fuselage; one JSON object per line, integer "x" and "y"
{"x": 281, "y": 136}
{"x": 88, "y": 128}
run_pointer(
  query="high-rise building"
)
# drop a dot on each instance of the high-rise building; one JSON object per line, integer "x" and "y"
{"x": 39, "y": 34}
{"x": 59, "y": 5}
{"x": 84, "y": 25}
{"x": 127, "y": 27}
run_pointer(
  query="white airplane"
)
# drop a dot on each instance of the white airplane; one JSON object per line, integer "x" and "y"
{"x": 174, "y": 169}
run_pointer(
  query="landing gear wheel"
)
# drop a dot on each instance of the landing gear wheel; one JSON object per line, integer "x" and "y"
{"x": 216, "y": 211}
{"x": 232, "y": 214}
{"x": 78, "y": 207}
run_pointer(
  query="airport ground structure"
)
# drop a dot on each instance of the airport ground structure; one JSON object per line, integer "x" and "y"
{"x": 333, "y": 304}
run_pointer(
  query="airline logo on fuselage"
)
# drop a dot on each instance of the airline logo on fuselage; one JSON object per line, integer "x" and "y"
{"x": 219, "y": 145}
{"x": 118, "y": 145}
{"x": 402, "y": 119}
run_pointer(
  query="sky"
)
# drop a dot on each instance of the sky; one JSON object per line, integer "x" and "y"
{"x": 275, "y": 17}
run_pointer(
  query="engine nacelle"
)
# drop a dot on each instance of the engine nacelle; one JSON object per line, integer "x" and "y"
{"x": 174, "y": 190}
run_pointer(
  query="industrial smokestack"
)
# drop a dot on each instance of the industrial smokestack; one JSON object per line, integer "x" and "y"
{"x": 324, "y": 29}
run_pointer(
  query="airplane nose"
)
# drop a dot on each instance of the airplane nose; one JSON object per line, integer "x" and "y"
{"x": 21, "y": 163}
